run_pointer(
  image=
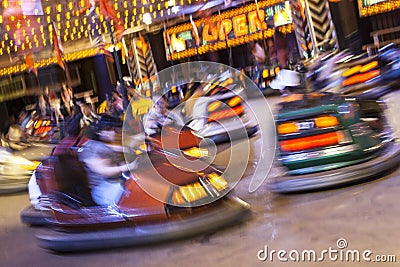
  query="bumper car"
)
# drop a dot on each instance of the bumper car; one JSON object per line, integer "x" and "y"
{"x": 21, "y": 143}
{"x": 76, "y": 223}
{"x": 15, "y": 172}
{"x": 216, "y": 111}
{"x": 267, "y": 76}
{"x": 327, "y": 140}
{"x": 18, "y": 159}
{"x": 173, "y": 138}
{"x": 42, "y": 130}
{"x": 358, "y": 75}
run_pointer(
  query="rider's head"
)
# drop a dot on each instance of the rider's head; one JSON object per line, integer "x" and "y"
{"x": 160, "y": 104}
{"x": 72, "y": 126}
{"x": 282, "y": 49}
{"x": 86, "y": 110}
{"x": 102, "y": 132}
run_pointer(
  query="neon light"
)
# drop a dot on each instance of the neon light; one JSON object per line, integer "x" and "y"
{"x": 311, "y": 142}
{"x": 384, "y": 6}
{"x": 369, "y": 66}
{"x": 240, "y": 26}
{"x": 287, "y": 128}
{"x": 226, "y": 113}
{"x": 326, "y": 121}
{"x": 359, "y": 78}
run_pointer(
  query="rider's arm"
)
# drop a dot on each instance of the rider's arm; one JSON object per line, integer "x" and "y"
{"x": 106, "y": 169}
{"x": 98, "y": 158}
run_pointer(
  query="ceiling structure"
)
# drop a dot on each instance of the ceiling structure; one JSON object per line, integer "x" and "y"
{"x": 26, "y": 26}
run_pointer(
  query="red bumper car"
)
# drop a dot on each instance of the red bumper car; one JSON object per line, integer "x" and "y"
{"x": 194, "y": 202}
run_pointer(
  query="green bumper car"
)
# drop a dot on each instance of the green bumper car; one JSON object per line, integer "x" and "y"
{"x": 326, "y": 140}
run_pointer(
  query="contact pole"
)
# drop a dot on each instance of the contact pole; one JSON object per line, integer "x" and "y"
{"x": 115, "y": 55}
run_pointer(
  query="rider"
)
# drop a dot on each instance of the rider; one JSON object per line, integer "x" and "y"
{"x": 285, "y": 77}
{"x": 158, "y": 116}
{"x": 282, "y": 50}
{"x": 104, "y": 164}
{"x": 88, "y": 116}
{"x": 259, "y": 60}
{"x": 67, "y": 97}
{"x": 103, "y": 161}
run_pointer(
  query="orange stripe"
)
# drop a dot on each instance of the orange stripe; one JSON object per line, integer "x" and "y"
{"x": 226, "y": 113}
{"x": 359, "y": 78}
{"x": 305, "y": 143}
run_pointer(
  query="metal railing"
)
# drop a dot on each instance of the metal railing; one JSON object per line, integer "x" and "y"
{"x": 12, "y": 88}
{"x": 382, "y": 38}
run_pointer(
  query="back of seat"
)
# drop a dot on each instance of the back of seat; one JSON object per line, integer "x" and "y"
{"x": 72, "y": 179}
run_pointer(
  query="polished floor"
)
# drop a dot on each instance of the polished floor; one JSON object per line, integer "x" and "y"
{"x": 338, "y": 225}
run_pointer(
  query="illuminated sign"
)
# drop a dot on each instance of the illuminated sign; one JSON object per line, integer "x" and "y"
{"x": 371, "y": 2}
{"x": 372, "y": 7}
{"x": 231, "y": 28}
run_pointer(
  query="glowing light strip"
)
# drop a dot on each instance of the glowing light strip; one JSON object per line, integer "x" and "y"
{"x": 48, "y": 61}
{"x": 231, "y": 43}
{"x": 219, "y": 45}
{"x": 378, "y": 8}
{"x": 311, "y": 142}
{"x": 225, "y": 15}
